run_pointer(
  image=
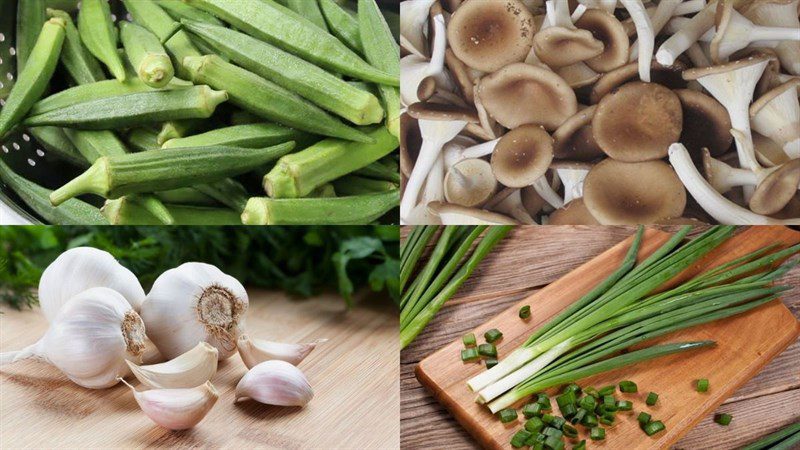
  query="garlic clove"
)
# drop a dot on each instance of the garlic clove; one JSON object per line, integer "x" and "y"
{"x": 176, "y": 409}
{"x": 191, "y": 369}
{"x": 275, "y": 383}
{"x": 255, "y": 351}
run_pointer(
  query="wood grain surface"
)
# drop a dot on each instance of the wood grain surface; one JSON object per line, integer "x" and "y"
{"x": 354, "y": 376}
{"x": 425, "y": 424}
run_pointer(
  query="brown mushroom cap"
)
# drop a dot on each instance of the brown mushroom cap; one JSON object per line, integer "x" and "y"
{"x": 669, "y": 76}
{"x": 573, "y": 213}
{"x": 410, "y": 143}
{"x": 442, "y": 111}
{"x": 777, "y": 189}
{"x": 706, "y": 123}
{"x": 489, "y": 34}
{"x": 480, "y": 183}
{"x": 574, "y": 139}
{"x": 619, "y": 193}
{"x": 700, "y": 72}
{"x": 770, "y": 95}
{"x": 610, "y": 31}
{"x": 521, "y": 94}
{"x": 578, "y": 75}
{"x": 559, "y": 46}
{"x": 638, "y": 122}
{"x": 531, "y": 200}
{"x": 791, "y": 210}
{"x": 522, "y": 156}
{"x": 768, "y": 152}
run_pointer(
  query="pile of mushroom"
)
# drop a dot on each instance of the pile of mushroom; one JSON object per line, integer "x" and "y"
{"x": 600, "y": 111}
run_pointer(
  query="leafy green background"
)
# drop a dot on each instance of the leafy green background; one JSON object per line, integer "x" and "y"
{"x": 299, "y": 260}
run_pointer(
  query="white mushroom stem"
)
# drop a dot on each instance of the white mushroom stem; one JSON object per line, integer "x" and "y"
{"x": 689, "y": 7}
{"x": 698, "y": 56}
{"x": 780, "y": 14}
{"x": 434, "y": 134}
{"x": 644, "y": 34}
{"x": 512, "y": 206}
{"x": 432, "y": 192}
{"x": 558, "y": 14}
{"x": 413, "y": 18}
{"x": 686, "y": 36}
{"x": 573, "y": 182}
{"x": 578, "y": 13}
{"x": 487, "y": 123}
{"x": 454, "y": 154}
{"x": 724, "y": 177}
{"x": 779, "y": 120}
{"x": 663, "y": 13}
{"x": 740, "y": 32}
{"x": 415, "y": 68}
{"x": 714, "y": 203}
{"x": 548, "y": 194}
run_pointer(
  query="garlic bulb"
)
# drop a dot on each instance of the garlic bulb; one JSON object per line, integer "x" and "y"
{"x": 275, "y": 383}
{"x": 189, "y": 370}
{"x": 90, "y": 339}
{"x": 176, "y": 409}
{"x": 81, "y": 268}
{"x": 255, "y": 351}
{"x": 192, "y": 303}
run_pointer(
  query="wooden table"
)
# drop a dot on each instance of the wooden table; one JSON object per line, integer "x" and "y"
{"x": 354, "y": 376}
{"x": 766, "y": 403}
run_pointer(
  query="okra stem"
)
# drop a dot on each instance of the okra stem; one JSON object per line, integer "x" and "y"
{"x": 298, "y": 174}
{"x": 146, "y": 55}
{"x": 125, "y": 211}
{"x": 382, "y": 52}
{"x": 99, "y": 34}
{"x": 176, "y": 129}
{"x": 320, "y": 211}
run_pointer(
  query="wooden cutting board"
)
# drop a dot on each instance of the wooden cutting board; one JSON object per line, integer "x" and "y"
{"x": 745, "y": 344}
{"x": 356, "y": 400}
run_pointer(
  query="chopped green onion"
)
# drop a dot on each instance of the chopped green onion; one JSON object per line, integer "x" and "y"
{"x": 569, "y": 431}
{"x": 607, "y": 390}
{"x": 578, "y": 416}
{"x": 469, "y": 354}
{"x": 723, "y": 419}
{"x": 702, "y": 385}
{"x": 591, "y": 391}
{"x": 525, "y": 312}
{"x": 597, "y": 434}
{"x": 624, "y": 405}
{"x": 783, "y": 438}
{"x": 469, "y": 340}
{"x": 654, "y": 427}
{"x": 519, "y": 438}
{"x": 567, "y": 398}
{"x": 609, "y": 403}
{"x": 554, "y": 443}
{"x": 652, "y": 398}
{"x": 590, "y": 421}
{"x": 580, "y": 445}
{"x": 491, "y": 362}
{"x": 628, "y": 386}
{"x": 643, "y": 419}
{"x": 507, "y": 415}
{"x": 551, "y": 431}
{"x": 534, "y": 438}
{"x": 544, "y": 400}
{"x": 607, "y": 419}
{"x": 573, "y": 388}
{"x": 532, "y": 410}
{"x": 588, "y": 403}
{"x": 492, "y": 335}
{"x": 569, "y": 410}
{"x": 534, "y": 424}
{"x": 558, "y": 422}
{"x": 487, "y": 350}
{"x": 548, "y": 418}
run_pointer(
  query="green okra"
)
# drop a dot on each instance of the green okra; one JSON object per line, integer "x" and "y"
{"x": 115, "y": 176}
{"x": 99, "y": 34}
{"x": 248, "y": 136}
{"x": 34, "y": 78}
{"x": 325, "y": 191}
{"x": 241, "y": 117}
{"x": 355, "y": 185}
{"x": 143, "y": 139}
{"x": 79, "y": 63}
{"x": 135, "y": 109}
{"x": 292, "y": 73}
{"x": 153, "y": 205}
{"x": 96, "y": 91}
{"x": 309, "y": 9}
{"x": 31, "y": 17}
{"x": 353, "y": 210}
{"x": 63, "y": 5}
{"x": 266, "y": 99}
{"x": 178, "y": 10}
{"x": 282, "y": 27}
{"x": 96, "y": 144}
{"x": 298, "y": 174}
{"x": 151, "y": 16}
{"x": 177, "y": 129}
{"x": 126, "y": 211}
{"x": 380, "y": 171}
{"x": 55, "y": 141}
{"x": 229, "y": 192}
{"x": 342, "y": 24}
{"x": 381, "y": 51}
{"x": 146, "y": 55}
{"x": 186, "y": 197}
{"x": 72, "y": 212}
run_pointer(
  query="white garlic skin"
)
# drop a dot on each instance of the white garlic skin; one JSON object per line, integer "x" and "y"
{"x": 82, "y": 268}
{"x": 275, "y": 383}
{"x": 255, "y": 351}
{"x": 177, "y": 409}
{"x": 189, "y": 370}
{"x": 177, "y": 315}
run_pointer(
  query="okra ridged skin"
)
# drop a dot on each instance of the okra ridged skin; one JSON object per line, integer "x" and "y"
{"x": 125, "y": 211}
{"x": 266, "y": 99}
{"x": 99, "y": 34}
{"x": 72, "y": 212}
{"x": 116, "y": 176}
{"x": 298, "y": 174}
{"x": 198, "y": 102}
{"x": 93, "y": 145}
{"x": 55, "y": 141}
{"x": 356, "y": 210}
{"x": 381, "y": 51}
{"x": 309, "y": 10}
{"x": 176, "y": 129}
{"x": 34, "y": 78}
{"x": 79, "y": 63}
{"x": 282, "y": 27}
{"x": 343, "y": 25}
{"x": 30, "y": 19}
{"x": 146, "y": 54}
{"x": 293, "y": 73}
{"x": 178, "y": 10}
{"x": 247, "y": 136}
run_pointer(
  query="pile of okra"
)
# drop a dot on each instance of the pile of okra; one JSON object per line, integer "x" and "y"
{"x": 206, "y": 112}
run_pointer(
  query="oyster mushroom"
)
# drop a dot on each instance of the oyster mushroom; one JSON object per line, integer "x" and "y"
{"x": 608, "y": 30}
{"x": 669, "y": 76}
{"x": 413, "y": 17}
{"x": 572, "y": 176}
{"x": 778, "y": 13}
{"x": 645, "y": 34}
{"x": 768, "y": 152}
{"x": 522, "y": 156}
{"x": 638, "y": 122}
{"x": 560, "y": 47}
{"x": 735, "y": 32}
{"x": 512, "y": 206}
{"x": 451, "y": 214}
{"x": 470, "y": 183}
{"x": 617, "y": 192}
{"x": 776, "y": 115}
{"x": 574, "y": 139}
{"x": 706, "y": 123}
{"x": 420, "y": 75}
{"x": 689, "y": 34}
{"x": 573, "y": 213}
{"x": 658, "y": 19}
{"x": 410, "y": 143}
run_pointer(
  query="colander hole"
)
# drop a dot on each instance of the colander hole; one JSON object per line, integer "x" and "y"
{"x": 12, "y": 51}
{"x": 31, "y": 162}
{"x": 5, "y": 149}
{"x": 2, "y": 37}
{"x": 1, "y": 83}
{"x": 2, "y": 102}
{"x": 10, "y": 76}
{"x": 26, "y": 138}
{"x": 40, "y": 152}
{"x": 1, "y": 60}
{"x": 15, "y": 145}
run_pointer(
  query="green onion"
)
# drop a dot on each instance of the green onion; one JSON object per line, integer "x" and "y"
{"x": 607, "y": 390}
{"x": 525, "y": 312}
{"x": 723, "y": 419}
{"x": 534, "y": 424}
{"x": 469, "y": 354}
{"x": 551, "y": 431}
{"x": 591, "y": 392}
{"x": 534, "y": 439}
{"x": 532, "y": 410}
{"x": 519, "y": 438}
{"x": 609, "y": 403}
{"x": 597, "y": 434}
{"x": 580, "y": 445}
{"x": 558, "y": 422}
{"x": 652, "y": 398}
{"x": 493, "y": 335}
{"x": 491, "y": 362}
{"x": 554, "y": 443}
{"x": 624, "y": 405}
{"x": 569, "y": 410}
{"x": 574, "y": 388}
{"x": 782, "y": 439}
{"x": 544, "y": 400}
{"x": 567, "y": 398}
{"x": 590, "y": 421}
{"x": 578, "y": 416}
{"x": 588, "y": 403}
{"x": 628, "y": 386}
{"x": 654, "y": 427}
{"x": 607, "y": 419}
{"x": 507, "y": 415}
{"x": 569, "y": 431}
{"x": 643, "y": 418}
{"x": 487, "y": 350}
{"x": 702, "y": 385}
{"x": 548, "y": 418}
{"x": 469, "y": 340}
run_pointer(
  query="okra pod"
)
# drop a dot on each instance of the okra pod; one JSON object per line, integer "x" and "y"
{"x": 151, "y": 16}
{"x": 30, "y": 20}
{"x": 176, "y": 129}
{"x": 32, "y": 81}
{"x": 99, "y": 34}
{"x": 179, "y": 10}
{"x": 298, "y": 174}
{"x": 146, "y": 55}
{"x": 355, "y": 185}
{"x": 96, "y": 144}
{"x": 382, "y": 52}
{"x": 325, "y": 191}
{"x": 282, "y": 27}
{"x": 95, "y": 91}
{"x": 229, "y": 192}
{"x": 55, "y": 141}
{"x": 292, "y": 73}
{"x": 186, "y": 197}
{"x": 143, "y": 139}
{"x": 79, "y": 63}
{"x": 241, "y": 117}
{"x": 266, "y": 99}
{"x": 115, "y": 176}
{"x": 353, "y": 210}
{"x": 342, "y": 24}
{"x": 72, "y": 212}
{"x": 63, "y": 5}
{"x": 380, "y": 171}
{"x": 135, "y": 109}
{"x": 248, "y": 136}
{"x": 309, "y": 9}
{"x": 125, "y": 211}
